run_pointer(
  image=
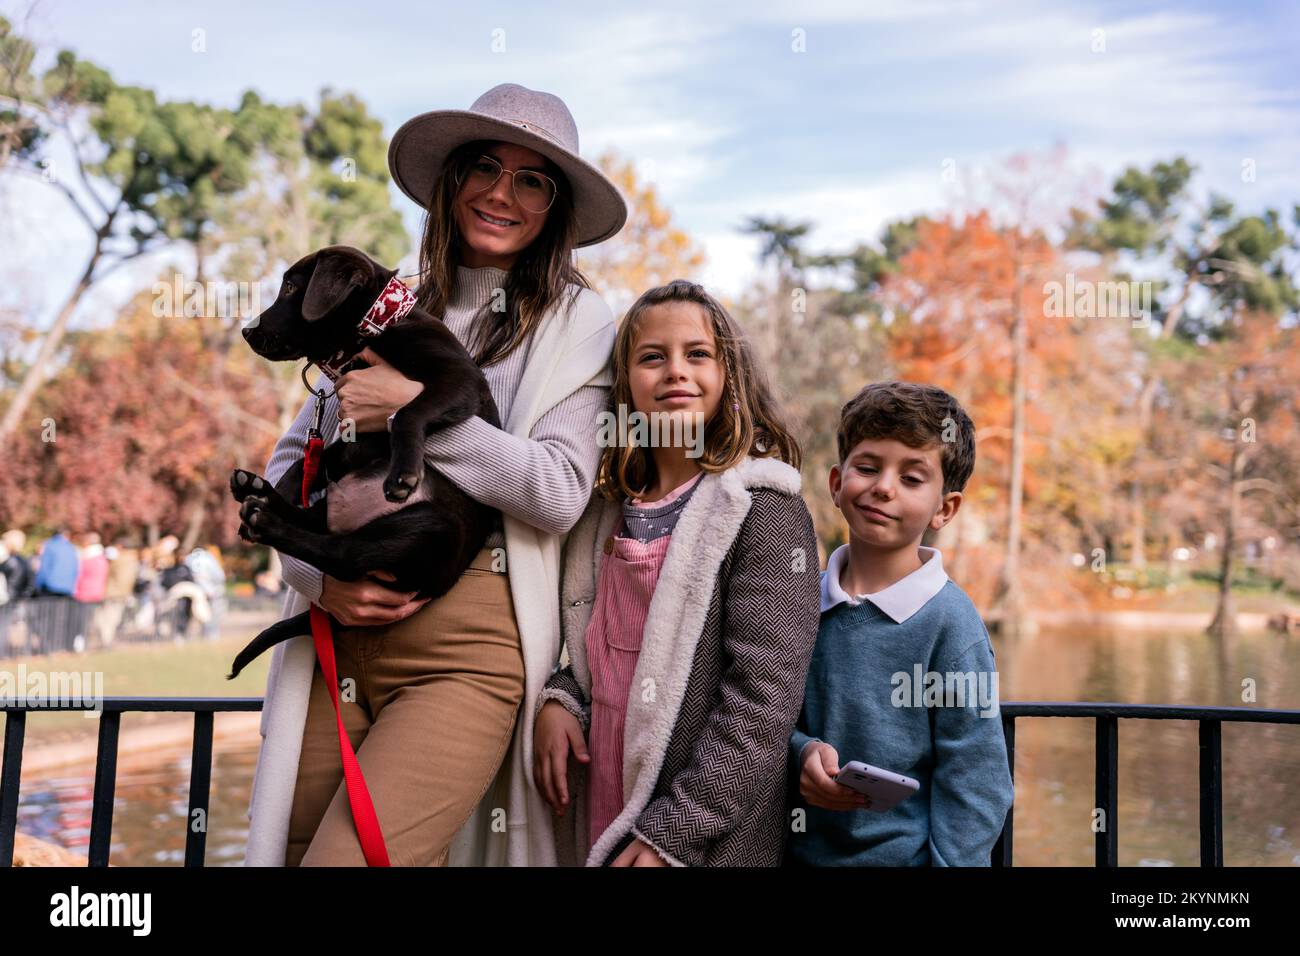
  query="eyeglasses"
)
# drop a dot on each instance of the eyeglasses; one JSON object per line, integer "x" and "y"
{"x": 534, "y": 191}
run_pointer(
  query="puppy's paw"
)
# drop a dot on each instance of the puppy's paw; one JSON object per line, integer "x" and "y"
{"x": 245, "y": 483}
{"x": 400, "y": 486}
{"x": 260, "y": 525}
{"x": 252, "y": 509}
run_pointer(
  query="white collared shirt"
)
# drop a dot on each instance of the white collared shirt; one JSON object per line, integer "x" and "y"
{"x": 901, "y": 599}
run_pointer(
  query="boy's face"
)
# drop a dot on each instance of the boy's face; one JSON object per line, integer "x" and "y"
{"x": 890, "y": 493}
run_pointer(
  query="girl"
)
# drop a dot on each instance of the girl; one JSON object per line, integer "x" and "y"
{"x": 691, "y": 605}
{"x": 438, "y": 685}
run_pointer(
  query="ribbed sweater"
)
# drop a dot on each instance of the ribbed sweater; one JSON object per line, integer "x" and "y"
{"x": 544, "y": 480}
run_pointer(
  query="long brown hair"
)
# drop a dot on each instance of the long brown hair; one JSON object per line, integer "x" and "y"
{"x": 755, "y": 427}
{"x": 542, "y": 274}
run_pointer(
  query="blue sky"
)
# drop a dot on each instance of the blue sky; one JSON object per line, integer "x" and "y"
{"x": 715, "y": 106}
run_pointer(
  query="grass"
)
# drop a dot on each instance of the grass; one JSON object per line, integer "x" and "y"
{"x": 1198, "y": 590}
{"x": 194, "y": 669}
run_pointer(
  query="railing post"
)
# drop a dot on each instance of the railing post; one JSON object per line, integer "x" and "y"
{"x": 1211, "y": 761}
{"x": 200, "y": 784}
{"x": 1107, "y": 753}
{"x": 101, "y": 813}
{"x": 10, "y": 772}
{"x": 1210, "y": 722}
{"x": 1002, "y": 849}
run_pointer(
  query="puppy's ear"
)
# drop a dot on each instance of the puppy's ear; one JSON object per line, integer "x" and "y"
{"x": 330, "y": 284}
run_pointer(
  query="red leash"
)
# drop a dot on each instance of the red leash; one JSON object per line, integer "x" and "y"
{"x": 363, "y": 810}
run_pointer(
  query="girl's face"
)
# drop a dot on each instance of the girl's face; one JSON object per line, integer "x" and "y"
{"x": 674, "y": 366}
{"x": 512, "y": 227}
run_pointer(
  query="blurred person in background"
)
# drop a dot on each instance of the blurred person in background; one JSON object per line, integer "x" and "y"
{"x": 19, "y": 580}
{"x": 92, "y": 576}
{"x": 16, "y": 582}
{"x": 205, "y": 565}
{"x": 123, "y": 568}
{"x": 56, "y": 572}
{"x": 182, "y": 597}
{"x": 56, "y": 584}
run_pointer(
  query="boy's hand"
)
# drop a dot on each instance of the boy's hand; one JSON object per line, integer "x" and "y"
{"x": 556, "y": 733}
{"x": 817, "y": 780}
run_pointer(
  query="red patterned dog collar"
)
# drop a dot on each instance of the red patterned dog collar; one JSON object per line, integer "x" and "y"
{"x": 392, "y": 305}
{"x": 390, "y": 308}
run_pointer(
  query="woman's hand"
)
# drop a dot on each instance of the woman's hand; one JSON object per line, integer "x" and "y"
{"x": 638, "y": 853}
{"x": 369, "y": 395}
{"x": 555, "y": 733}
{"x": 366, "y": 603}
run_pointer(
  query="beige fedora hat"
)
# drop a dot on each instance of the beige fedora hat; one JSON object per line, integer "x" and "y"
{"x": 513, "y": 114}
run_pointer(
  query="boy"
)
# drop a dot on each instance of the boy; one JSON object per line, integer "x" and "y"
{"x": 902, "y": 675}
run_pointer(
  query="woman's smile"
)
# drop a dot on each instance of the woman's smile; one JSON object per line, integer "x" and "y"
{"x": 496, "y": 222}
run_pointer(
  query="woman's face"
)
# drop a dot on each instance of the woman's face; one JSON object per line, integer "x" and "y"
{"x": 499, "y": 242}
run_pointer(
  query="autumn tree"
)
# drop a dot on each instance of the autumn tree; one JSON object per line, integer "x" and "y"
{"x": 145, "y": 175}
{"x": 129, "y": 444}
{"x": 1150, "y": 219}
{"x": 649, "y": 251}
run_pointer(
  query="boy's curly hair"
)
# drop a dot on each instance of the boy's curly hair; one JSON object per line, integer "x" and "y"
{"x": 916, "y": 415}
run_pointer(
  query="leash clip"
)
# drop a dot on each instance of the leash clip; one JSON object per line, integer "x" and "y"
{"x": 318, "y": 413}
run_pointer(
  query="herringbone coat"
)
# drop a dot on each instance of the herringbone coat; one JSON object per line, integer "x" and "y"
{"x": 720, "y": 677}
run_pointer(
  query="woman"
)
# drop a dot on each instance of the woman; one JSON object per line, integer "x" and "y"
{"x": 438, "y": 685}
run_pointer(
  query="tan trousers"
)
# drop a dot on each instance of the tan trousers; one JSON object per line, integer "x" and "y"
{"x": 435, "y": 702}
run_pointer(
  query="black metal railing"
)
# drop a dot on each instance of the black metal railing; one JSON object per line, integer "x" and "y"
{"x": 110, "y": 722}
{"x": 1107, "y": 716}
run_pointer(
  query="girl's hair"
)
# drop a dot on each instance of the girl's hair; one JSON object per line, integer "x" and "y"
{"x": 543, "y": 272}
{"x": 757, "y": 427}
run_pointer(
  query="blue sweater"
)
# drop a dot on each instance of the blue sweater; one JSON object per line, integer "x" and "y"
{"x": 59, "y": 564}
{"x": 873, "y": 696}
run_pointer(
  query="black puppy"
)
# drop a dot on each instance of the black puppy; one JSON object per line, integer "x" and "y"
{"x": 332, "y": 304}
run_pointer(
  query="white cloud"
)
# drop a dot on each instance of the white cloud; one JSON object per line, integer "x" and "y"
{"x": 681, "y": 91}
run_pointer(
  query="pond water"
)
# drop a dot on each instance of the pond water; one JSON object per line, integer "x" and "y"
{"x": 1158, "y": 781}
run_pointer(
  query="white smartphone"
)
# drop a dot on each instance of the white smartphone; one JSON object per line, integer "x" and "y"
{"x": 884, "y": 788}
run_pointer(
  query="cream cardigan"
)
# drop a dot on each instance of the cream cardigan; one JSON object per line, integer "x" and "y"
{"x": 512, "y": 824}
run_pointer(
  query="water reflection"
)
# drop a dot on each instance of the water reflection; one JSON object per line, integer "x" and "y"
{"x": 1159, "y": 789}
{"x": 1158, "y": 777}
{"x": 149, "y": 808}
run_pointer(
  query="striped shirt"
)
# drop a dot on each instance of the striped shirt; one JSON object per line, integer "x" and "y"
{"x": 544, "y": 480}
